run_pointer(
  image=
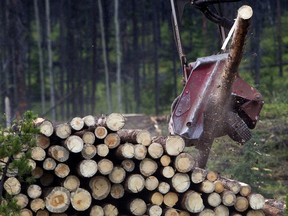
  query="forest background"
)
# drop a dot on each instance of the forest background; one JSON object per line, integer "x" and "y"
{"x": 65, "y": 58}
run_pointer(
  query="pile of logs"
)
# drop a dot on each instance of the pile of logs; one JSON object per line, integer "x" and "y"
{"x": 92, "y": 166}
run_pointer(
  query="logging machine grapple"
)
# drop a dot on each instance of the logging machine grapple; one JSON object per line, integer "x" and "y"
{"x": 215, "y": 101}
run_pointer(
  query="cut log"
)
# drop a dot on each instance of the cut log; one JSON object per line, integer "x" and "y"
{"x": 102, "y": 150}
{"x": 206, "y": 186}
{"x": 87, "y": 168}
{"x": 214, "y": 199}
{"x": 256, "y": 201}
{"x": 105, "y": 166}
{"x": 228, "y": 198}
{"x": 114, "y": 121}
{"x": 170, "y": 199}
{"x": 255, "y": 213}
{"x": 241, "y": 204}
{"x": 125, "y": 151}
{"x": 117, "y": 191}
{"x": 156, "y": 198}
{"x": 128, "y": 165}
{"x": 135, "y": 183}
{"x": 42, "y": 212}
{"x": 184, "y": 213}
{"x": 171, "y": 212}
{"x": 100, "y": 132}
{"x": 42, "y": 141}
{"x": 151, "y": 183}
{"x": 219, "y": 187}
{"x": 46, "y": 128}
{"x": 97, "y": 210}
{"x": 62, "y": 170}
{"x": 37, "y": 172}
{"x": 63, "y": 130}
{"x": 174, "y": 145}
{"x": 140, "y": 151}
{"x": 207, "y": 212}
{"x": 47, "y": 179}
{"x": 110, "y": 210}
{"x": 89, "y": 120}
{"x": 164, "y": 187}
{"x": 221, "y": 210}
{"x": 81, "y": 199}
{"x": 112, "y": 140}
{"x": 165, "y": 160}
{"x": 154, "y": 210}
{"x": 37, "y": 204}
{"x": 59, "y": 153}
{"x": 198, "y": 175}
{"x": 168, "y": 172}
{"x": 22, "y": 200}
{"x": 88, "y": 151}
{"x": 135, "y": 136}
{"x": 192, "y": 202}
{"x": 77, "y": 123}
{"x": 31, "y": 164}
{"x": 231, "y": 185}
{"x": 274, "y": 207}
{"x": 181, "y": 182}
{"x": 245, "y": 189}
{"x": 25, "y": 212}
{"x": 49, "y": 164}
{"x": 184, "y": 162}
{"x": 100, "y": 187}
{"x": 117, "y": 175}
{"x": 88, "y": 137}
{"x": 212, "y": 176}
{"x": 148, "y": 167}
{"x": 34, "y": 191}
{"x": 71, "y": 182}
{"x": 155, "y": 150}
{"x": 58, "y": 200}
{"x": 137, "y": 206}
{"x": 38, "y": 153}
{"x": 74, "y": 144}
{"x": 12, "y": 186}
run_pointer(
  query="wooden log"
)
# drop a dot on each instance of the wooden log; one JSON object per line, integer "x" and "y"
{"x": 207, "y": 212}
{"x": 100, "y": 132}
{"x": 112, "y": 140}
{"x": 74, "y": 144}
{"x": 168, "y": 172}
{"x": 128, "y": 165}
{"x": 110, "y": 210}
{"x": 49, "y": 164}
{"x": 273, "y": 207}
{"x": 88, "y": 151}
{"x": 37, "y": 172}
{"x": 231, "y": 185}
{"x": 22, "y": 200}
{"x": 198, "y": 175}
{"x": 34, "y": 191}
{"x": 81, "y": 199}
{"x": 181, "y": 182}
{"x": 77, "y": 123}
{"x": 38, "y": 153}
{"x": 148, "y": 167}
{"x": 221, "y": 210}
{"x": 135, "y": 136}
{"x": 58, "y": 200}
{"x": 88, "y": 137}
{"x": 184, "y": 213}
{"x": 71, "y": 182}
{"x": 219, "y": 187}
{"x": 12, "y": 186}
{"x": 140, "y": 151}
{"x": 25, "y": 212}
{"x": 96, "y": 210}
{"x": 87, "y": 168}
{"x": 100, "y": 187}
{"x": 37, "y": 204}
{"x": 137, "y": 206}
{"x": 151, "y": 183}
{"x": 42, "y": 212}
{"x": 46, "y": 179}
{"x": 31, "y": 164}
{"x": 117, "y": 191}
{"x": 117, "y": 175}
{"x": 170, "y": 199}
{"x": 245, "y": 189}
{"x": 46, "y": 127}
{"x": 102, "y": 150}
{"x": 42, "y": 141}
{"x": 214, "y": 199}
{"x": 174, "y": 145}
{"x": 192, "y": 202}
{"x": 63, "y": 130}
{"x": 171, "y": 212}
{"x": 135, "y": 183}
{"x": 212, "y": 176}
{"x": 228, "y": 198}
{"x": 89, "y": 120}
{"x": 125, "y": 150}
{"x": 59, "y": 153}
{"x": 241, "y": 204}
{"x": 165, "y": 160}
{"x": 62, "y": 170}
{"x": 255, "y": 213}
{"x": 156, "y": 198}
{"x": 105, "y": 166}
{"x": 256, "y": 201}
{"x": 164, "y": 187}
{"x": 155, "y": 150}
{"x": 154, "y": 210}
{"x": 184, "y": 162}
{"x": 206, "y": 186}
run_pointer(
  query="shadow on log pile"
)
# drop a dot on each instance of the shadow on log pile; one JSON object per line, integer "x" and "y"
{"x": 121, "y": 171}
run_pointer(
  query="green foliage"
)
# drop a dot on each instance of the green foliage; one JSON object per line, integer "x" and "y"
{"x": 9, "y": 207}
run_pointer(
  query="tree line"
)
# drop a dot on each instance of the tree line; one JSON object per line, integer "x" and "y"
{"x": 64, "y": 58}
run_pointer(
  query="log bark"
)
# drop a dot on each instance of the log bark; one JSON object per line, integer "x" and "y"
{"x": 273, "y": 207}
{"x": 58, "y": 200}
{"x": 135, "y": 136}
{"x": 81, "y": 199}
{"x": 100, "y": 187}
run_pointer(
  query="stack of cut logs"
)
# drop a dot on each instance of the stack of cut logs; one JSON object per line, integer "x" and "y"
{"x": 92, "y": 166}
